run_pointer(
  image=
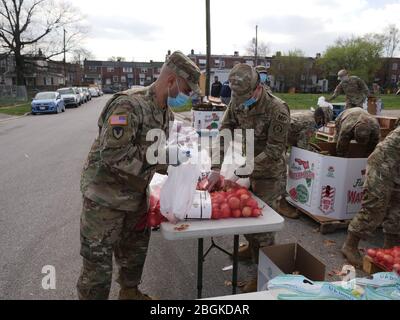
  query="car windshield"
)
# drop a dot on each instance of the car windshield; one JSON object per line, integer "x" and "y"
{"x": 45, "y": 96}
{"x": 66, "y": 91}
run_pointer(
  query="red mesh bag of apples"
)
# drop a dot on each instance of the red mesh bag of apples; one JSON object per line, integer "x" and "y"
{"x": 153, "y": 217}
{"x": 232, "y": 201}
{"x": 387, "y": 259}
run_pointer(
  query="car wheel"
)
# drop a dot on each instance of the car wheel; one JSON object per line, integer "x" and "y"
{"x": 33, "y": 113}
{"x": 63, "y": 109}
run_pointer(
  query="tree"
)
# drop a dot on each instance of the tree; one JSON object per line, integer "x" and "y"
{"x": 361, "y": 56}
{"x": 262, "y": 48}
{"x": 27, "y": 26}
{"x": 391, "y": 40}
{"x": 115, "y": 59}
{"x": 289, "y": 68}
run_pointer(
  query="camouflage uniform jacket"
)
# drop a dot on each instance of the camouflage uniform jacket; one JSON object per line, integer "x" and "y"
{"x": 345, "y": 129}
{"x": 270, "y": 120}
{"x": 302, "y": 127}
{"x": 385, "y": 160}
{"x": 355, "y": 89}
{"x": 116, "y": 173}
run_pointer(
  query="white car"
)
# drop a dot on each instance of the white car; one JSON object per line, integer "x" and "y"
{"x": 70, "y": 97}
{"x": 94, "y": 92}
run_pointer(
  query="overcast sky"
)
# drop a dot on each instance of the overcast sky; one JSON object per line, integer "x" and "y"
{"x": 146, "y": 29}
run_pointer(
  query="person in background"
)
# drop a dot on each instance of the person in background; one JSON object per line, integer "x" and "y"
{"x": 355, "y": 89}
{"x": 226, "y": 93}
{"x": 264, "y": 78}
{"x": 216, "y": 88}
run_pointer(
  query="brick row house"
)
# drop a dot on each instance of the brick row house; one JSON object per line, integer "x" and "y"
{"x": 121, "y": 75}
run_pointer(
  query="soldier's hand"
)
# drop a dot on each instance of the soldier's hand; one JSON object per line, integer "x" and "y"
{"x": 213, "y": 179}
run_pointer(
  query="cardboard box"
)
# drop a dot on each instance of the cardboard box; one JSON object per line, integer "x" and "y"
{"x": 207, "y": 118}
{"x": 326, "y": 186}
{"x": 287, "y": 259}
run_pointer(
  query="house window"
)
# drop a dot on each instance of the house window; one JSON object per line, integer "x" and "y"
{"x": 123, "y": 79}
{"x": 143, "y": 70}
{"x": 108, "y": 81}
{"x": 115, "y": 79}
{"x": 202, "y": 62}
{"x": 127, "y": 69}
{"x": 217, "y": 62}
{"x": 142, "y": 76}
{"x": 130, "y": 76}
{"x": 395, "y": 66}
{"x": 222, "y": 64}
{"x": 303, "y": 77}
{"x": 394, "y": 78}
{"x": 92, "y": 68}
{"x": 110, "y": 69}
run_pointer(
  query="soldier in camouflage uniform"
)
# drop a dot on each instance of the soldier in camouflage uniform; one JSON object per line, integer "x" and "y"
{"x": 264, "y": 78}
{"x": 356, "y": 124}
{"x": 353, "y": 87}
{"x": 381, "y": 201}
{"x": 254, "y": 107}
{"x": 116, "y": 176}
{"x": 304, "y": 124}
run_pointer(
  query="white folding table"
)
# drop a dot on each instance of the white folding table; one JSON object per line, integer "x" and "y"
{"x": 270, "y": 221}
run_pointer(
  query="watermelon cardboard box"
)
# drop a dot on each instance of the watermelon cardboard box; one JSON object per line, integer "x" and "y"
{"x": 326, "y": 186}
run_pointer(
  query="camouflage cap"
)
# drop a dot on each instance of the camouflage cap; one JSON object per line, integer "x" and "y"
{"x": 261, "y": 69}
{"x": 243, "y": 80}
{"x": 342, "y": 73}
{"x": 185, "y": 68}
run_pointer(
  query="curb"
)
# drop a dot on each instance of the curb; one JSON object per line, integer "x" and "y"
{"x": 15, "y": 118}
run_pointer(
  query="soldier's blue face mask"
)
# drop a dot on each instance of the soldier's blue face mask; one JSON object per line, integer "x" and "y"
{"x": 263, "y": 78}
{"x": 180, "y": 101}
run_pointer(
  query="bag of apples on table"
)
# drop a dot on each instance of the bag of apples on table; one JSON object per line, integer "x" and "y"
{"x": 234, "y": 203}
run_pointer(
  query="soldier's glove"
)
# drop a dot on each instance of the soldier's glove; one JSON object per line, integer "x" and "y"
{"x": 239, "y": 173}
{"x": 213, "y": 179}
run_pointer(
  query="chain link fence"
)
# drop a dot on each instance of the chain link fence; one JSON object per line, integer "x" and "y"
{"x": 13, "y": 93}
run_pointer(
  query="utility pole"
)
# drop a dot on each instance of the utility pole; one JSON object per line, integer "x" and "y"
{"x": 65, "y": 65}
{"x": 256, "y": 49}
{"x": 208, "y": 30}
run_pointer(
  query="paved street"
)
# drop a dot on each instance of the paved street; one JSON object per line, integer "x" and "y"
{"x": 40, "y": 162}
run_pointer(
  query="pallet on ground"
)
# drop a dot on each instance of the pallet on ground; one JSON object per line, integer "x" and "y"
{"x": 327, "y": 225}
{"x": 371, "y": 267}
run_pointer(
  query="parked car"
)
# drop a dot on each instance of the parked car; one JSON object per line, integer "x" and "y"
{"x": 87, "y": 94}
{"x": 70, "y": 97}
{"x": 82, "y": 95}
{"x": 47, "y": 102}
{"x": 109, "y": 91}
{"x": 94, "y": 92}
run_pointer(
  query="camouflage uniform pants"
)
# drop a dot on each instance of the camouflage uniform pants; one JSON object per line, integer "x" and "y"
{"x": 105, "y": 231}
{"x": 269, "y": 191}
{"x": 380, "y": 206}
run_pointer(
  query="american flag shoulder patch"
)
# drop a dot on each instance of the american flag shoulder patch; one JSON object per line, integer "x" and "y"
{"x": 119, "y": 120}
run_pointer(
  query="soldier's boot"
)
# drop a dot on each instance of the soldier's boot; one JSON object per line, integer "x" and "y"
{"x": 132, "y": 294}
{"x": 251, "y": 286}
{"x": 245, "y": 253}
{"x": 391, "y": 241}
{"x": 350, "y": 250}
{"x": 286, "y": 210}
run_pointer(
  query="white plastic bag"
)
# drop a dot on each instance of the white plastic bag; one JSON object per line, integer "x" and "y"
{"x": 177, "y": 194}
{"x": 322, "y": 103}
{"x": 231, "y": 163}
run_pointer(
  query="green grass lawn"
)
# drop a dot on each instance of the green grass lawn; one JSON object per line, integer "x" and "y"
{"x": 306, "y": 101}
{"x": 16, "y": 110}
